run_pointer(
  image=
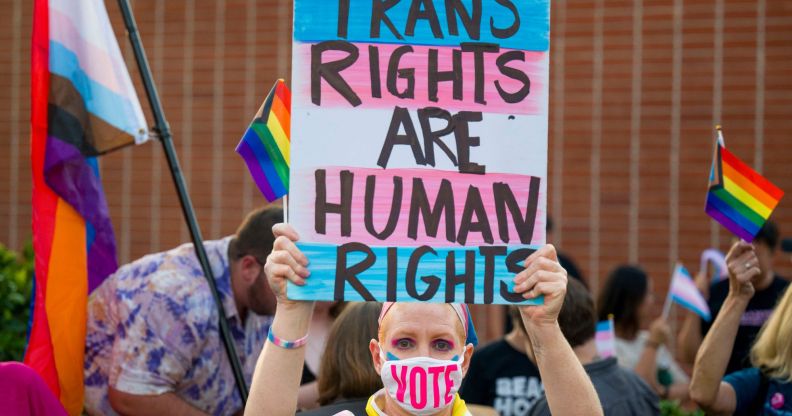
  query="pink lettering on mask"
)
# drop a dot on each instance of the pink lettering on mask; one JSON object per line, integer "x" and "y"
{"x": 435, "y": 372}
{"x": 449, "y": 382}
{"x": 418, "y": 376}
{"x": 401, "y": 382}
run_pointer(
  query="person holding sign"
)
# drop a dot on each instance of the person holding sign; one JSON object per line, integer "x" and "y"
{"x": 420, "y": 342}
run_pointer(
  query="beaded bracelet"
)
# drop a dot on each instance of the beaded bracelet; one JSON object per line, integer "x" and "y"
{"x": 289, "y": 345}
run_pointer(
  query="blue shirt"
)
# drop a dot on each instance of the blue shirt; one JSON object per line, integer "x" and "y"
{"x": 747, "y": 383}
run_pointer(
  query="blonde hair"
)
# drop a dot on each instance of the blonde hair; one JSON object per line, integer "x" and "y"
{"x": 772, "y": 352}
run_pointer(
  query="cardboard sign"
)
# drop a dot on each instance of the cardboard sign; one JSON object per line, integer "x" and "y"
{"x": 419, "y": 147}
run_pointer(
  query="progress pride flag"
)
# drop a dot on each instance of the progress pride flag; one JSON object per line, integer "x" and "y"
{"x": 419, "y": 147}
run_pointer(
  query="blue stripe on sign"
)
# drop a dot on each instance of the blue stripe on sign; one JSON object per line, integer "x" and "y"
{"x": 317, "y": 20}
{"x": 99, "y": 100}
{"x": 321, "y": 284}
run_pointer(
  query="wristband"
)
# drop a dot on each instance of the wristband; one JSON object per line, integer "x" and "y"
{"x": 289, "y": 345}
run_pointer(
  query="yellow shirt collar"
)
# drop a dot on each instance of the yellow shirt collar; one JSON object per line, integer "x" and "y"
{"x": 372, "y": 409}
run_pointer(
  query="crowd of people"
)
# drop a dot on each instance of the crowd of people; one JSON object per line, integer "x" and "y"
{"x": 153, "y": 342}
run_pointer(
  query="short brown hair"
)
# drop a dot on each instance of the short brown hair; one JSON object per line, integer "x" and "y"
{"x": 254, "y": 236}
{"x": 577, "y": 319}
{"x": 346, "y": 371}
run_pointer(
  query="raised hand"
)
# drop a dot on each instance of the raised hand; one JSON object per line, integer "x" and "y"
{"x": 543, "y": 276}
{"x": 743, "y": 267}
{"x": 285, "y": 263}
{"x": 659, "y": 332}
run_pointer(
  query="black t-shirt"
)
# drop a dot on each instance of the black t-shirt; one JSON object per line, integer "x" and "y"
{"x": 757, "y": 312}
{"x": 621, "y": 391}
{"x": 503, "y": 378}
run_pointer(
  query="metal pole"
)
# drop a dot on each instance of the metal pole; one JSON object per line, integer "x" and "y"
{"x": 162, "y": 128}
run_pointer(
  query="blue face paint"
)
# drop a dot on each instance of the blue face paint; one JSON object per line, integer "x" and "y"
{"x": 391, "y": 357}
{"x": 455, "y": 358}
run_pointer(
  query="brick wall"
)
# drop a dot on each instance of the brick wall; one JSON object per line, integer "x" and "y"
{"x": 636, "y": 89}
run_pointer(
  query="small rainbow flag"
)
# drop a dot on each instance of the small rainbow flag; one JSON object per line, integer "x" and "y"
{"x": 684, "y": 292}
{"x": 265, "y": 145}
{"x": 605, "y": 338}
{"x": 739, "y": 198}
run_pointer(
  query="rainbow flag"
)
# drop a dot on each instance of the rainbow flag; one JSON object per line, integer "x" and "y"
{"x": 739, "y": 198}
{"x": 684, "y": 292}
{"x": 265, "y": 145}
{"x": 605, "y": 338}
{"x": 83, "y": 104}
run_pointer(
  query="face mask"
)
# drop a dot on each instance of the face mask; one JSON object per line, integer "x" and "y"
{"x": 421, "y": 385}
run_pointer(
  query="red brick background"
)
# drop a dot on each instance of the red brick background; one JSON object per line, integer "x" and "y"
{"x": 636, "y": 89}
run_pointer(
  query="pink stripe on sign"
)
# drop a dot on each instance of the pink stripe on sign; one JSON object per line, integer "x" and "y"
{"x": 462, "y": 189}
{"x": 358, "y": 75}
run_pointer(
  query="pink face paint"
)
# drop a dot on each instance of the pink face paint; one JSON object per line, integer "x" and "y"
{"x": 400, "y": 381}
{"x": 418, "y": 387}
{"x": 435, "y": 380}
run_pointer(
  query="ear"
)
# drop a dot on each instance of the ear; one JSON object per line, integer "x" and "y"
{"x": 250, "y": 268}
{"x": 468, "y": 354}
{"x": 374, "y": 349}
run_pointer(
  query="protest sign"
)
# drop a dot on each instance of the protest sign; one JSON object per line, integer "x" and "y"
{"x": 419, "y": 147}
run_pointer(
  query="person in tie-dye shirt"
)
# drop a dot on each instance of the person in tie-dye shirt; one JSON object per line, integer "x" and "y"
{"x": 153, "y": 342}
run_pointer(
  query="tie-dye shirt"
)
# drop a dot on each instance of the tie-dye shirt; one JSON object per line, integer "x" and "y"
{"x": 153, "y": 328}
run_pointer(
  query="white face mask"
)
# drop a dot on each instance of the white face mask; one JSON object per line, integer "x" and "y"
{"x": 422, "y": 385}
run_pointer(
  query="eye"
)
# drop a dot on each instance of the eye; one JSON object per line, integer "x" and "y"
{"x": 403, "y": 343}
{"x": 443, "y": 345}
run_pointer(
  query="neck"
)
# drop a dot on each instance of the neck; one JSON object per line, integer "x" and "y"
{"x": 767, "y": 280}
{"x": 237, "y": 292}
{"x": 587, "y": 352}
{"x": 516, "y": 339}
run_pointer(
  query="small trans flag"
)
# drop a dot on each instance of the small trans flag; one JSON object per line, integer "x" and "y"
{"x": 684, "y": 292}
{"x": 605, "y": 337}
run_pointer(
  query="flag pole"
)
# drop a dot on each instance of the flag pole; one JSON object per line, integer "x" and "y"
{"x": 667, "y": 304}
{"x": 163, "y": 130}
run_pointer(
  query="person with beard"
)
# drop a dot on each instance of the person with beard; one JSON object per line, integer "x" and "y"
{"x": 153, "y": 342}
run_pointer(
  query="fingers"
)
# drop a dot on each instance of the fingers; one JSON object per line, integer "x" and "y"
{"x": 737, "y": 249}
{"x": 547, "y": 251}
{"x": 278, "y": 274}
{"x": 283, "y": 243}
{"x": 742, "y": 262}
{"x": 549, "y": 289}
{"x": 286, "y": 262}
{"x": 545, "y": 258}
{"x": 285, "y": 230}
{"x": 285, "y": 257}
{"x": 541, "y": 266}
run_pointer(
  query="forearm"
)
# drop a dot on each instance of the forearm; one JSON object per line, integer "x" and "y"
{"x": 562, "y": 374}
{"x": 689, "y": 338}
{"x": 713, "y": 356}
{"x": 646, "y": 367}
{"x": 168, "y": 403}
{"x": 276, "y": 380}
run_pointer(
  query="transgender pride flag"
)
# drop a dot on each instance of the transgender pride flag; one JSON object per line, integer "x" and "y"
{"x": 83, "y": 104}
{"x": 605, "y": 338}
{"x": 684, "y": 292}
